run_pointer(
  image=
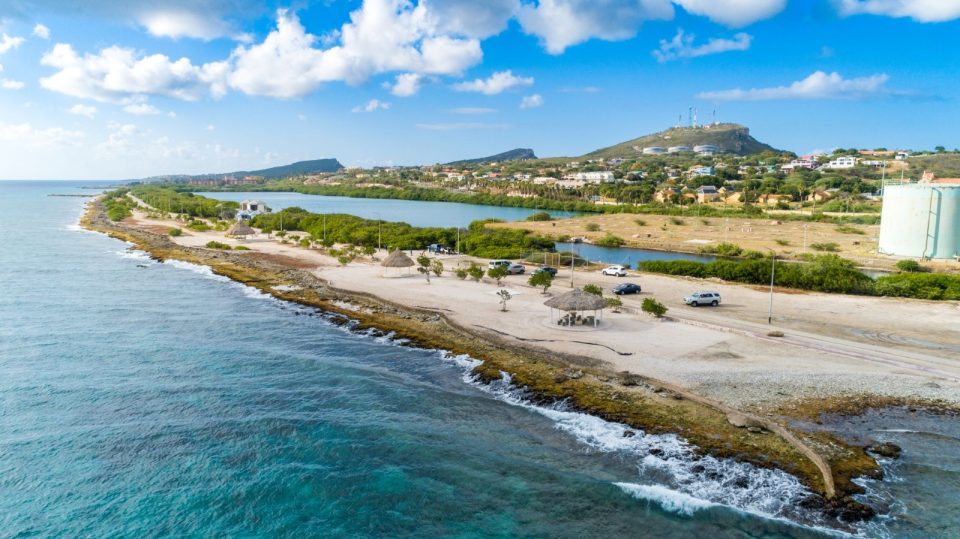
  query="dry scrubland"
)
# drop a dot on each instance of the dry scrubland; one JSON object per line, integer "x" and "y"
{"x": 691, "y": 233}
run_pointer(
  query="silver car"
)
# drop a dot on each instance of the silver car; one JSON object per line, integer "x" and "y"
{"x": 703, "y": 298}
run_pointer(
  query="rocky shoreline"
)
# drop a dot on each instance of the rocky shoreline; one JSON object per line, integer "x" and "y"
{"x": 823, "y": 462}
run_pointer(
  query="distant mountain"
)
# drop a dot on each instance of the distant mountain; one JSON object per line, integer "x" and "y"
{"x": 294, "y": 169}
{"x": 512, "y": 155}
{"x": 730, "y": 138}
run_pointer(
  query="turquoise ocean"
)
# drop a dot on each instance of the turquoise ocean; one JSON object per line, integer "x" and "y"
{"x": 146, "y": 399}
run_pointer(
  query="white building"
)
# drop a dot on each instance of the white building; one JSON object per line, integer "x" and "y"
{"x": 601, "y": 176}
{"x": 250, "y": 209}
{"x": 844, "y": 162}
{"x": 544, "y": 180}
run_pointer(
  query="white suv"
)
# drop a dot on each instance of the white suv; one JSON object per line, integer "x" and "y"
{"x": 616, "y": 271}
{"x": 702, "y": 298}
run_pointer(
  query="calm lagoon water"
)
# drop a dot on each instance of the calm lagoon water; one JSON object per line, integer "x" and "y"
{"x": 153, "y": 399}
{"x": 413, "y": 212}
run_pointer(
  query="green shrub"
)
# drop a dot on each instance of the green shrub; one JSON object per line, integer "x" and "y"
{"x": 241, "y": 248}
{"x": 541, "y": 279}
{"x": 540, "y": 216}
{"x": 217, "y": 245}
{"x": 706, "y": 222}
{"x": 593, "y": 289}
{"x": 175, "y": 232}
{"x": 592, "y": 227}
{"x": 614, "y": 303}
{"x": 609, "y": 240}
{"x": 305, "y": 242}
{"x": 640, "y": 222}
{"x": 653, "y": 307}
{"x": 497, "y": 273}
{"x": 436, "y": 267}
{"x": 723, "y": 249}
{"x": 909, "y": 266}
{"x": 847, "y": 229}
{"x": 783, "y": 243}
{"x": 475, "y": 272}
{"x": 198, "y": 226}
{"x": 677, "y": 221}
{"x": 461, "y": 273}
{"x": 935, "y": 286}
{"x": 830, "y": 247}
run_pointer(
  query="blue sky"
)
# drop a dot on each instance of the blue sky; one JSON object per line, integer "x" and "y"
{"x": 124, "y": 90}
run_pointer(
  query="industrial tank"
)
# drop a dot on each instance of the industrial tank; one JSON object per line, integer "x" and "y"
{"x": 921, "y": 220}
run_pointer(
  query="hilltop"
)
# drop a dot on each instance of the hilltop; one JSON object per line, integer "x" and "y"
{"x": 294, "y": 169}
{"x": 512, "y": 155}
{"x": 730, "y": 138}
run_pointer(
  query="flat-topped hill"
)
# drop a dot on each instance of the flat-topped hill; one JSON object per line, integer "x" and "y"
{"x": 730, "y": 138}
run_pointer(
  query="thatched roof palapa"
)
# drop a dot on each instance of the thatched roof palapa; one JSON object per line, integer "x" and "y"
{"x": 397, "y": 259}
{"x": 576, "y": 300}
{"x": 240, "y": 229}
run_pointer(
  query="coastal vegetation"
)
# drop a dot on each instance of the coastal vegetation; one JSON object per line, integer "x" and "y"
{"x": 654, "y": 307}
{"x": 541, "y": 279}
{"x": 118, "y": 204}
{"x": 476, "y": 240}
{"x": 166, "y": 198}
{"x": 823, "y": 273}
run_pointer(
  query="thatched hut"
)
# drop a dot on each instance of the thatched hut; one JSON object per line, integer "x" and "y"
{"x": 240, "y": 230}
{"x": 573, "y": 304}
{"x": 398, "y": 260}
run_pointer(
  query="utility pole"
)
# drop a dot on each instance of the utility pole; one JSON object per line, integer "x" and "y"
{"x": 773, "y": 272}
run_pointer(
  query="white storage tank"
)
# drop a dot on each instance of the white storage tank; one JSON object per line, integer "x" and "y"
{"x": 921, "y": 220}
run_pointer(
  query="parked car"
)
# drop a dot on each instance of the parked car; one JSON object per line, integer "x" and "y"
{"x": 494, "y": 263}
{"x": 439, "y": 249}
{"x": 702, "y": 298}
{"x": 546, "y": 269}
{"x": 516, "y": 269}
{"x": 626, "y": 288}
{"x": 616, "y": 271}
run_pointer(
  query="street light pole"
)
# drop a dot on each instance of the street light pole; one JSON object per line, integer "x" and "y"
{"x": 773, "y": 272}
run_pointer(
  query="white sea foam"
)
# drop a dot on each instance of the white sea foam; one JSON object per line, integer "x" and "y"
{"x": 134, "y": 254}
{"x": 670, "y": 500}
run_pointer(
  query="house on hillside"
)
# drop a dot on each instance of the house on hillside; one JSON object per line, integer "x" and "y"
{"x": 772, "y": 199}
{"x": 707, "y": 193}
{"x": 666, "y": 195}
{"x": 700, "y": 171}
{"x": 819, "y": 196}
{"x": 840, "y": 163}
{"x": 602, "y": 176}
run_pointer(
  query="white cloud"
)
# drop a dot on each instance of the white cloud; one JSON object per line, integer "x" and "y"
{"x": 473, "y": 110}
{"x": 41, "y": 31}
{"x": 8, "y": 43}
{"x": 178, "y": 23}
{"x": 382, "y": 36}
{"x": 117, "y": 73}
{"x": 497, "y": 83}
{"x": 531, "y": 101}
{"x": 563, "y": 23}
{"x": 83, "y": 110}
{"x": 735, "y": 13}
{"x": 471, "y": 18}
{"x": 8, "y": 84}
{"x": 681, "y": 46}
{"x": 918, "y": 10}
{"x": 819, "y": 85}
{"x": 27, "y": 134}
{"x": 141, "y": 109}
{"x": 406, "y": 84}
{"x": 460, "y": 126}
{"x": 372, "y": 106}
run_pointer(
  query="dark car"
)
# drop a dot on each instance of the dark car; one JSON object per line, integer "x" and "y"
{"x": 626, "y": 288}
{"x": 546, "y": 269}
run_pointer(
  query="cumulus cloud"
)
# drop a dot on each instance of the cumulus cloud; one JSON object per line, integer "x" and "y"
{"x": 41, "y": 31}
{"x": 497, "y": 83}
{"x": 735, "y": 13}
{"x": 471, "y": 18}
{"x": 531, "y": 101}
{"x": 26, "y": 133}
{"x": 819, "y": 85}
{"x": 562, "y": 23}
{"x": 406, "y": 84}
{"x": 8, "y": 43}
{"x": 177, "y": 23}
{"x": 681, "y": 46}
{"x": 117, "y": 73}
{"x": 8, "y": 84}
{"x": 83, "y": 110}
{"x": 382, "y": 36}
{"x": 372, "y": 106}
{"x": 918, "y": 10}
